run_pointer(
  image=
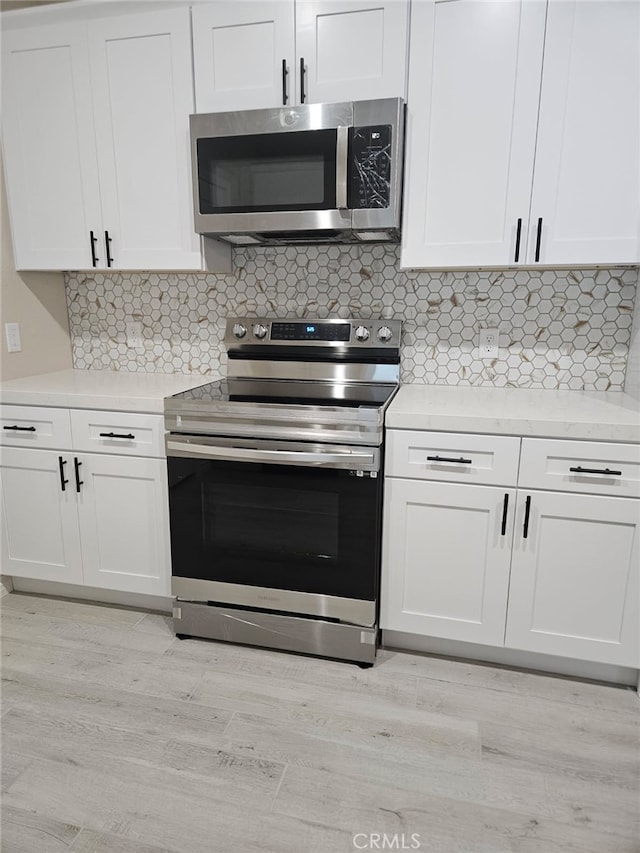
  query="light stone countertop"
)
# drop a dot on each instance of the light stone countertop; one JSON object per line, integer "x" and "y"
{"x": 598, "y": 415}
{"x": 113, "y": 390}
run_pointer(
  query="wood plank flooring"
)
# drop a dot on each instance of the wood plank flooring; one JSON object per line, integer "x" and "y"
{"x": 118, "y": 738}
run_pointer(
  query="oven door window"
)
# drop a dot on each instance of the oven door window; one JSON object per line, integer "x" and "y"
{"x": 267, "y": 172}
{"x": 275, "y": 526}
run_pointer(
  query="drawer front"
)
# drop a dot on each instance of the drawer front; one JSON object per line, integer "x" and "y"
{"x": 453, "y": 457}
{"x": 117, "y": 432}
{"x": 605, "y": 469}
{"x": 35, "y": 426}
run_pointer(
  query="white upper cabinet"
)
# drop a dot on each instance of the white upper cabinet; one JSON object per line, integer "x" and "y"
{"x": 351, "y": 50}
{"x": 142, "y": 89}
{"x": 252, "y": 55}
{"x": 49, "y": 146}
{"x": 523, "y": 133}
{"x": 243, "y": 55}
{"x": 586, "y": 190}
{"x": 96, "y": 140}
{"x": 473, "y": 99}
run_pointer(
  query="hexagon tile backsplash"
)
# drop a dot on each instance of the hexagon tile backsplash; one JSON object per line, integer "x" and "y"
{"x": 558, "y": 329}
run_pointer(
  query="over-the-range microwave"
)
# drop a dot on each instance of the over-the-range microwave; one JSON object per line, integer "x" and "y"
{"x": 317, "y": 173}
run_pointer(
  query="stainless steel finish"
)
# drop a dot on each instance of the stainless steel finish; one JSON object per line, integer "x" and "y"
{"x": 275, "y": 120}
{"x": 342, "y": 167}
{"x": 338, "y": 425}
{"x": 306, "y": 117}
{"x": 387, "y": 111}
{"x": 321, "y": 456}
{"x": 260, "y": 331}
{"x": 238, "y": 330}
{"x": 231, "y": 341}
{"x": 362, "y": 333}
{"x": 351, "y": 610}
{"x": 315, "y": 371}
{"x": 308, "y": 636}
{"x": 384, "y": 334}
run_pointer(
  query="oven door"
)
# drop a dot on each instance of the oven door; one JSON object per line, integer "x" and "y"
{"x": 280, "y": 526}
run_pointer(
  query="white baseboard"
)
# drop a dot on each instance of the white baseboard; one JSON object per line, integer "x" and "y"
{"x": 6, "y": 585}
{"x": 86, "y": 593}
{"x": 512, "y": 657}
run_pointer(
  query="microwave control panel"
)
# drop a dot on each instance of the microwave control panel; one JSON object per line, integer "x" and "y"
{"x": 369, "y": 167}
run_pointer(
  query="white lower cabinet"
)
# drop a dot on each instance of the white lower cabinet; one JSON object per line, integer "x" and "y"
{"x": 447, "y": 558}
{"x": 553, "y": 572}
{"x": 40, "y": 535}
{"x": 574, "y": 577}
{"x": 98, "y": 519}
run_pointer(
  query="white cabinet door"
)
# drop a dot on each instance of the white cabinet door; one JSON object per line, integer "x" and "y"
{"x": 49, "y": 146}
{"x": 40, "y": 537}
{"x": 142, "y": 87}
{"x": 586, "y": 190}
{"x": 474, "y": 81}
{"x": 124, "y": 523}
{"x": 352, "y": 49}
{"x": 574, "y": 579}
{"x": 239, "y": 49}
{"x": 445, "y": 568}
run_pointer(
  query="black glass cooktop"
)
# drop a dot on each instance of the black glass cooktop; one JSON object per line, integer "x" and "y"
{"x": 289, "y": 392}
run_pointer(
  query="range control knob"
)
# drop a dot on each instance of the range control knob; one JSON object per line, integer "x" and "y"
{"x": 239, "y": 331}
{"x": 260, "y": 331}
{"x": 384, "y": 334}
{"x": 362, "y": 334}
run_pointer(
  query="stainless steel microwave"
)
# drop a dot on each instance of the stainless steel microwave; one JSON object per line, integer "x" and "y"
{"x": 317, "y": 173}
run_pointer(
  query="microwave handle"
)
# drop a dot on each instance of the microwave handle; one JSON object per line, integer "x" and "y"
{"x": 342, "y": 167}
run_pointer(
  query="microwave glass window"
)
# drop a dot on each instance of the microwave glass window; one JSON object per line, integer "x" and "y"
{"x": 275, "y": 171}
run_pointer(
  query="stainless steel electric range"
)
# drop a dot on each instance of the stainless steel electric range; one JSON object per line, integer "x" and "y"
{"x": 275, "y": 487}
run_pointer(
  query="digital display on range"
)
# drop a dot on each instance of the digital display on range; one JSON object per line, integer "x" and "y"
{"x": 310, "y": 331}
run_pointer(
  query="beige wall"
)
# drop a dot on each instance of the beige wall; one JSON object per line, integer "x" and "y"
{"x": 37, "y": 302}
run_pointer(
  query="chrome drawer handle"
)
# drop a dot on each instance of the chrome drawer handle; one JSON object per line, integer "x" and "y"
{"x": 606, "y": 471}
{"x": 460, "y": 461}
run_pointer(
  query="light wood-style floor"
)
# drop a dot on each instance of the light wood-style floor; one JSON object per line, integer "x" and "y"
{"x": 118, "y": 738}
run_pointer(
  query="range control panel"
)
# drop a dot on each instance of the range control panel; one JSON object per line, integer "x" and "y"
{"x": 257, "y": 330}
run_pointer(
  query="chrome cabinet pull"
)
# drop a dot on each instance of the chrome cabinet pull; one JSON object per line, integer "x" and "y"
{"x": 606, "y": 471}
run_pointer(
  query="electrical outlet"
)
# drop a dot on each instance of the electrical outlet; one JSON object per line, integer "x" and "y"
{"x": 12, "y": 332}
{"x": 488, "y": 343}
{"x": 134, "y": 334}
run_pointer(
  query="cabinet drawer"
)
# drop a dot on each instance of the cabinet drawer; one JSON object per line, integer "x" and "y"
{"x": 117, "y": 432}
{"x": 454, "y": 457}
{"x": 35, "y": 426}
{"x": 550, "y": 464}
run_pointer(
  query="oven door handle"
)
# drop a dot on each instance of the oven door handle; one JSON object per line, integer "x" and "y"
{"x": 249, "y": 454}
